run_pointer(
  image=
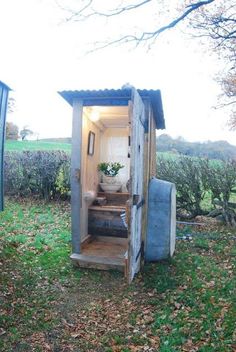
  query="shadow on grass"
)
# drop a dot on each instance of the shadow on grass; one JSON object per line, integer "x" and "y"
{"x": 160, "y": 276}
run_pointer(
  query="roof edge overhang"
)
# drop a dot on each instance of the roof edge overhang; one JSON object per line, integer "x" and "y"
{"x": 118, "y": 97}
{"x": 4, "y": 86}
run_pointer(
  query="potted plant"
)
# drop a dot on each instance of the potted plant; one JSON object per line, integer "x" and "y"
{"x": 109, "y": 171}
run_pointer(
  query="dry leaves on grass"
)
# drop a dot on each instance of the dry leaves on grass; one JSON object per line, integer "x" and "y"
{"x": 117, "y": 324}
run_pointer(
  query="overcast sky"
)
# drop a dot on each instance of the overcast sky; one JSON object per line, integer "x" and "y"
{"x": 41, "y": 54}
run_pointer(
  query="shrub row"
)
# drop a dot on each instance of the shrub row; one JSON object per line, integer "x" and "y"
{"x": 197, "y": 179}
{"x": 44, "y": 174}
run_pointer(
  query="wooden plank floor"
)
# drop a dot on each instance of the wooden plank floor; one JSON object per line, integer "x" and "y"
{"x": 111, "y": 247}
{"x": 103, "y": 253}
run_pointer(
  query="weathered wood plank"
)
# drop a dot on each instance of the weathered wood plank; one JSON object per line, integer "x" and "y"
{"x": 116, "y": 198}
{"x": 136, "y": 113}
{"x": 88, "y": 239}
{"x": 107, "y": 208}
{"x": 76, "y": 174}
{"x": 153, "y": 161}
{"x": 102, "y": 253}
{"x": 146, "y": 170}
{"x": 100, "y": 263}
{"x": 104, "y": 247}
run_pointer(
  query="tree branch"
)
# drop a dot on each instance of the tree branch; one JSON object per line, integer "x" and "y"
{"x": 223, "y": 105}
{"x": 80, "y": 16}
{"x": 191, "y": 8}
{"x": 146, "y": 36}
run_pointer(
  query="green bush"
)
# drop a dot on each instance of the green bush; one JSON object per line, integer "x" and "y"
{"x": 35, "y": 173}
{"x": 195, "y": 178}
{"x": 46, "y": 174}
{"x": 190, "y": 180}
{"x": 221, "y": 180}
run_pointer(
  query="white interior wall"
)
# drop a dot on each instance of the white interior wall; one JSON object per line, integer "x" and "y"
{"x": 114, "y": 148}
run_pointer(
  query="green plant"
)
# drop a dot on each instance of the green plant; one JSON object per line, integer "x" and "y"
{"x": 62, "y": 182}
{"x": 110, "y": 169}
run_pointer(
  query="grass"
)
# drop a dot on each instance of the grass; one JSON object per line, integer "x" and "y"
{"x": 185, "y": 304}
{"x": 35, "y": 145}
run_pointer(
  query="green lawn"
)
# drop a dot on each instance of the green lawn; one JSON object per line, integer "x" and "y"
{"x": 35, "y": 145}
{"x": 185, "y": 304}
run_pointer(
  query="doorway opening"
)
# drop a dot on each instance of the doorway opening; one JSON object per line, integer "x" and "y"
{"x": 104, "y": 228}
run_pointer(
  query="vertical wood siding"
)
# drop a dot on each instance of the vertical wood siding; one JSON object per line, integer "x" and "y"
{"x": 76, "y": 175}
{"x": 137, "y": 116}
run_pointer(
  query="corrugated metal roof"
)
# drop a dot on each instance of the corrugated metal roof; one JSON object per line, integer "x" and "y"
{"x": 115, "y": 97}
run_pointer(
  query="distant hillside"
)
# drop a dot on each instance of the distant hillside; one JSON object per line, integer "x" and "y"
{"x": 57, "y": 140}
{"x": 211, "y": 150}
{"x": 36, "y": 145}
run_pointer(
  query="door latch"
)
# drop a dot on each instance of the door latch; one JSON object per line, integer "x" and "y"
{"x": 77, "y": 174}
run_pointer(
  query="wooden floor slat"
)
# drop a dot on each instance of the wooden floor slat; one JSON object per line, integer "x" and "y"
{"x": 103, "y": 253}
{"x": 97, "y": 262}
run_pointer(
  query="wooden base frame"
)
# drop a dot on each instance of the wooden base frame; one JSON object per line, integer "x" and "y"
{"x": 103, "y": 253}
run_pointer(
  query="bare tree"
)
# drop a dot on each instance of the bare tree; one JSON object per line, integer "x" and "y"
{"x": 211, "y": 19}
{"x": 219, "y": 24}
{"x": 12, "y": 131}
{"x": 91, "y": 8}
{"x": 25, "y": 132}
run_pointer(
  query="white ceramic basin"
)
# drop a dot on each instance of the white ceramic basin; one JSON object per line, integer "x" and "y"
{"x": 113, "y": 187}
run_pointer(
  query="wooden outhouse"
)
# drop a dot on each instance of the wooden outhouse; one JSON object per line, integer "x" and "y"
{"x": 112, "y": 126}
{"x": 4, "y": 90}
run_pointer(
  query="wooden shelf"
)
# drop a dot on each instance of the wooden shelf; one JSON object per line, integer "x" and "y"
{"x": 112, "y": 208}
{"x": 118, "y": 194}
{"x": 115, "y": 198}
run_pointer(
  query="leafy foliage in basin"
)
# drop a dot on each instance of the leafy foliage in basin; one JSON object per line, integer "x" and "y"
{"x": 110, "y": 169}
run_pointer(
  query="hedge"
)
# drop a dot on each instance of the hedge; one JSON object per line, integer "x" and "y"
{"x": 44, "y": 174}
{"x": 198, "y": 179}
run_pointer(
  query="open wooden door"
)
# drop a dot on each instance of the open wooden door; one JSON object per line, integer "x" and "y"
{"x": 136, "y": 201}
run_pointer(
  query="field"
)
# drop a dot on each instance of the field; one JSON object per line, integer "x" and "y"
{"x": 35, "y": 145}
{"x": 185, "y": 304}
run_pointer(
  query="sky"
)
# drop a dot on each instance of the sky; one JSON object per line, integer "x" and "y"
{"x": 41, "y": 54}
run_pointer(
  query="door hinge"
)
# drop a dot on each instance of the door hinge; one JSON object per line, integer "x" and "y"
{"x": 141, "y": 203}
{"x": 141, "y": 251}
{"x": 137, "y": 202}
{"x": 135, "y": 199}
